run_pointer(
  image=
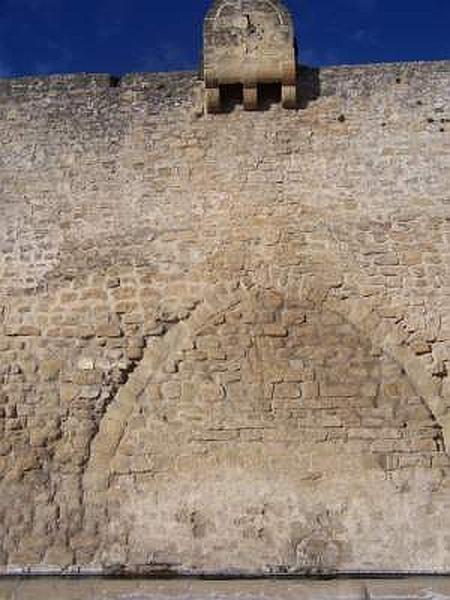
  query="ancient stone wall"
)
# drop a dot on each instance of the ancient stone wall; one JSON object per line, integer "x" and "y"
{"x": 225, "y": 338}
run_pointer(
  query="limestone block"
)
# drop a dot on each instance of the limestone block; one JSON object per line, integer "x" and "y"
{"x": 23, "y": 330}
{"x": 109, "y": 330}
{"x": 135, "y": 353}
{"x": 59, "y": 555}
{"x": 337, "y": 389}
{"x": 420, "y": 347}
{"x": 51, "y": 369}
{"x": 87, "y": 377}
{"x": 171, "y": 389}
{"x": 287, "y": 390}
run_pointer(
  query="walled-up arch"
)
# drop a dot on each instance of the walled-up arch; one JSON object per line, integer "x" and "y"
{"x": 267, "y": 431}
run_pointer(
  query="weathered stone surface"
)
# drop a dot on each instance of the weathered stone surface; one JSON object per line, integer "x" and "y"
{"x": 230, "y": 349}
{"x": 116, "y": 589}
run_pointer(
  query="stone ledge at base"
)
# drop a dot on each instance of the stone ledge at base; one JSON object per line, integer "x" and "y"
{"x": 420, "y": 588}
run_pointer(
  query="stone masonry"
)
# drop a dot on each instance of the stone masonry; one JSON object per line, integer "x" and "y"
{"x": 225, "y": 339}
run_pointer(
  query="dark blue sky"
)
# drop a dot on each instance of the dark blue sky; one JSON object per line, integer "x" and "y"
{"x": 119, "y": 36}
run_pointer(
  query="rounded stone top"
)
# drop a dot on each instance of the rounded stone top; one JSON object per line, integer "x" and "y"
{"x": 244, "y": 19}
{"x": 249, "y": 42}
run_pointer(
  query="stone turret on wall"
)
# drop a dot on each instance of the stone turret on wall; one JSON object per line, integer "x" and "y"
{"x": 250, "y": 43}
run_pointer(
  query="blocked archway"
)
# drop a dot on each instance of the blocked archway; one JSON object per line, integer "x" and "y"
{"x": 244, "y": 442}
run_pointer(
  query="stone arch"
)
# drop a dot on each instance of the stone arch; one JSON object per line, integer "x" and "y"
{"x": 157, "y": 394}
{"x": 356, "y": 312}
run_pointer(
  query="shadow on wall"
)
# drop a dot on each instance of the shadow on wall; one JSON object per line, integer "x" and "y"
{"x": 308, "y": 85}
{"x": 308, "y": 90}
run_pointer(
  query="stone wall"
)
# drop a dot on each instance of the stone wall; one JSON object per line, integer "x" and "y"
{"x": 225, "y": 339}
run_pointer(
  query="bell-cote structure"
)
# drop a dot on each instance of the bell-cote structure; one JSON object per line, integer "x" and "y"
{"x": 249, "y": 43}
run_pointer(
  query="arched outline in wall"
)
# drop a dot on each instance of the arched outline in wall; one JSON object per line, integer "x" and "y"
{"x": 357, "y": 312}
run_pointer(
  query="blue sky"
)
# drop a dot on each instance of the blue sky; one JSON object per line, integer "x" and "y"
{"x": 121, "y": 36}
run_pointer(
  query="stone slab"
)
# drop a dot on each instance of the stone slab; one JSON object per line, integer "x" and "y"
{"x": 44, "y": 588}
